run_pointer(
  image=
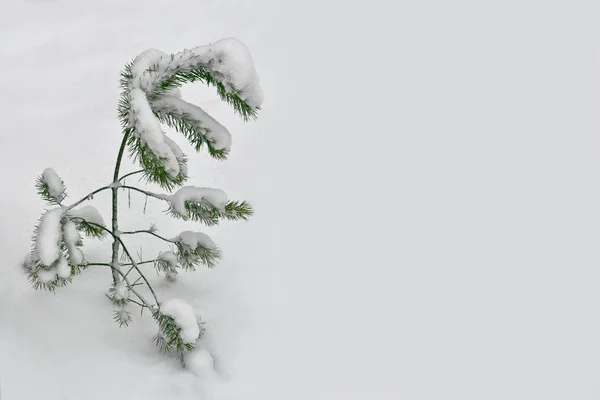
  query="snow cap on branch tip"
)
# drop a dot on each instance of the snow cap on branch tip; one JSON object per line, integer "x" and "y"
{"x": 46, "y": 275}
{"x": 233, "y": 63}
{"x": 48, "y": 236}
{"x": 168, "y": 257}
{"x": 179, "y": 155}
{"x": 228, "y": 60}
{"x": 193, "y": 240}
{"x": 63, "y": 270}
{"x": 72, "y": 237}
{"x": 218, "y": 135}
{"x": 121, "y": 291}
{"x": 215, "y": 197}
{"x": 144, "y": 76}
{"x": 148, "y": 130}
{"x": 184, "y": 316}
{"x": 56, "y": 187}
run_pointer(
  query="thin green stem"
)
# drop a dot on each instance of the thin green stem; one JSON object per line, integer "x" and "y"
{"x": 149, "y": 233}
{"x": 147, "y": 193}
{"x": 139, "y": 263}
{"x": 131, "y": 173}
{"x": 129, "y": 285}
{"x": 115, "y": 209}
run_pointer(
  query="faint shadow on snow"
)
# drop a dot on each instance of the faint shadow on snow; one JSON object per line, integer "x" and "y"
{"x": 72, "y": 331}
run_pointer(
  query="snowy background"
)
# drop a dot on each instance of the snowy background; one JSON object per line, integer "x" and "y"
{"x": 425, "y": 179}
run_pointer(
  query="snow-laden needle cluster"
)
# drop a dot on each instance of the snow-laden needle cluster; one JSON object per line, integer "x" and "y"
{"x": 150, "y": 101}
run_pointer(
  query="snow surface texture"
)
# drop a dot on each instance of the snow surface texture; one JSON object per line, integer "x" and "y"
{"x": 184, "y": 316}
{"x": 201, "y": 363}
{"x": 56, "y": 188}
{"x": 47, "y": 244}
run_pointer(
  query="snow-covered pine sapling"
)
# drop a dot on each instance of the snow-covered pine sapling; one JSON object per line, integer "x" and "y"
{"x": 151, "y": 100}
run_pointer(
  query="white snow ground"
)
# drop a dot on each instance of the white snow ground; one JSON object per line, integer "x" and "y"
{"x": 425, "y": 178}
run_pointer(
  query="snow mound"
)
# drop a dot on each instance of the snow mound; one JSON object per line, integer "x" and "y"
{"x": 201, "y": 363}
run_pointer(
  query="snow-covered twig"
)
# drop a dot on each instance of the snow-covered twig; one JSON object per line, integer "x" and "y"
{"x": 146, "y": 192}
{"x": 149, "y": 233}
{"x": 87, "y": 197}
{"x": 129, "y": 285}
{"x": 139, "y": 263}
{"x": 134, "y": 264}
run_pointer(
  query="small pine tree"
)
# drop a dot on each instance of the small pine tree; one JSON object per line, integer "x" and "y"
{"x": 150, "y": 99}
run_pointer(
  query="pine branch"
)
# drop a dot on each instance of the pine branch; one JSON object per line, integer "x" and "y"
{"x": 138, "y": 263}
{"x": 199, "y": 73}
{"x": 192, "y": 129}
{"x": 210, "y": 215}
{"x": 190, "y": 258}
{"x": 89, "y": 228}
{"x": 46, "y": 193}
{"x": 153, "y": 166}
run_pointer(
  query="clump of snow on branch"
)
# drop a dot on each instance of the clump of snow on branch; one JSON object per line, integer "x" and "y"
{"x": 207, "y": 125}
{"x": 148, "y": 130}
{"x": 167, "y": 262}
{"x": 185, "y": 318}
{"x": 63, "y": 270}
{"x": 179, "y": 156}
{"x": 88, "y": 213}
{"x": 215, "y": 197}
{"x": 143, "y": 71}
{"x": 121, "y": 291}
{"x": 47, "y": 243}
{"x": 169, "y": 257}
{"x": 228, "y": 60}
{"x": 71, "y": 237}
{"x": 56, "y": 187}
{"x": 192, "y": 240}
{"x": 231, "y": 61}
{"x": 46, "y": 275}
